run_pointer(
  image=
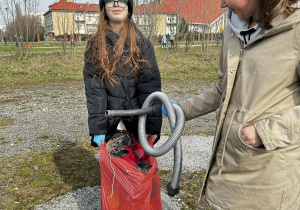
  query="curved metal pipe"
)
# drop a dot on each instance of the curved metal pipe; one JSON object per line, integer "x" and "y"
{"x": 177, "y": 122}
{"x": 133, "y": 112}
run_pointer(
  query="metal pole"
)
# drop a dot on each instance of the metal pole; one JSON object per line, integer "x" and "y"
{"x": 168, "y": 46}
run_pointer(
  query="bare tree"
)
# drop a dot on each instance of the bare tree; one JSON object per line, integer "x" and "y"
{"x": 17, "y": 15}
{"x": 21, "y": 24}
{"x": 7, "y": 12}
{"x": 30, "y": 7}
{"x": 149, "y": 18}
{"x": 213, "y": 20}
{"x": 199, "y": 18}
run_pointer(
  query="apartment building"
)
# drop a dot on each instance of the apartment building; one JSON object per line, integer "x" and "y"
{"x": 157, "y": 17}
{"x": 165, "y": 16}
{"x": 66, "y": 17}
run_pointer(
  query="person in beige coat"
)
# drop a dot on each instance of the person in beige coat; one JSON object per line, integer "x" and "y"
{"x": 255, "y": 161}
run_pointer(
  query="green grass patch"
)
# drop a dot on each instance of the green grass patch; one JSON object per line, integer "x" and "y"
{"x": 32, "y": 179}
{"x": 38, "y": 47}
{"x": 57, "y": 66}
{"x": 39, "y": 68}
{"x": 35, "y": 178}
{"x": 9, "y": 100}
{"x": 188, "y": 66}
{"x": 6, "y": 122}
{"x": 190, "y": 188}
{"x": 206, "y": 132}
{"x": 44, "y": 136}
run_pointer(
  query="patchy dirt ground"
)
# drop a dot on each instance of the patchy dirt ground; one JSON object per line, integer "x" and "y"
{"x": 36, "y": 117}
{"x": 39, "y": 118}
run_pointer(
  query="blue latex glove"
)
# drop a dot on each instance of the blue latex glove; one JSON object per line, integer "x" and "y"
{"x": 99, "y": 139}
{"x": 163, "y": 109}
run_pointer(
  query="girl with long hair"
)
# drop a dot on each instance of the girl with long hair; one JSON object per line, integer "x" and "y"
{"x": 120, "y": 71}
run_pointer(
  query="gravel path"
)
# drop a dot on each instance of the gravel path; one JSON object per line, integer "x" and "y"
{"x": 36, "y": 118}
{"x": 33, "y": 118}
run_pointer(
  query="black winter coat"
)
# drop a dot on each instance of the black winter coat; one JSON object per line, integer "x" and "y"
{"x": 130, "y": 92}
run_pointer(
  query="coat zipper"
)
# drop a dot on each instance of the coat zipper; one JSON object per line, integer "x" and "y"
{"x": 242, "y": 51}
{"x": 236, "y": 110}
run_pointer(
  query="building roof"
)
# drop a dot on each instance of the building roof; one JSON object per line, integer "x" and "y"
{"x": 193, "y": 11}
{"x": 154, "y": 7}
{"x": 70, "y": 6}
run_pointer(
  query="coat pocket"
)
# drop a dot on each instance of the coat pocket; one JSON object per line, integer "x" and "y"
{"x": 244, "y": 144}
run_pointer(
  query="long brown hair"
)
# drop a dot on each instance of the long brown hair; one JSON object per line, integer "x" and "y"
{"x": 99, "y": 52}
{"x": 269, "y": 9}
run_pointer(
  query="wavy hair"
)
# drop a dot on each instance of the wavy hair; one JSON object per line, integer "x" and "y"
{"x": 269, "y": 9}
{"x": 99, "y": 52}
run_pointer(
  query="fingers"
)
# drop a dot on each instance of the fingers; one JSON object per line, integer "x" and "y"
{"x": 251, "y": 137}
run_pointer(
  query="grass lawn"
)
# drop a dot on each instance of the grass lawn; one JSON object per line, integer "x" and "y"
{"x": 38, "y": 177}
{"x": 55, "y": 66}
{"x": 37, "y": 47}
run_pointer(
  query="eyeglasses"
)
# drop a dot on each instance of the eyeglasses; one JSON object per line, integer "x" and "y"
{"x": 113, "y": 3}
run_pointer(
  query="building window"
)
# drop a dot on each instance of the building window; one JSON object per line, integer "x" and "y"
{"x": 79, "y": 16}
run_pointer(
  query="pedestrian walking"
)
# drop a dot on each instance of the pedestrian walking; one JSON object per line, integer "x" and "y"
{"x": 16, "y": 41}
{"x": 5, "y": 40}
{"x": 164, "y": 40}
{"x": 218, "y": 40}
{"x": 159, "y": 39}
{"x": 72, "y": 39}
{"x": 172, "y": 38}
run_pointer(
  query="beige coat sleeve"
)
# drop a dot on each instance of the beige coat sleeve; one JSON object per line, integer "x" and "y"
{"x": 282, "y": 130}
{"x": 202, "y": 104}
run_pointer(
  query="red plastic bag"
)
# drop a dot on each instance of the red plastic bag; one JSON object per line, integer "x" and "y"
{"x": 125, "y": 187}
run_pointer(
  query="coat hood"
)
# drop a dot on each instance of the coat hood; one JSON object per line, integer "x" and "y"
{"x": 281, "y": 23}
{"x": 285, "y": 22}
{"x": 240, "y": 27}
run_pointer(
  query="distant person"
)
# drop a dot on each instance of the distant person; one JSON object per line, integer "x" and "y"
{"x": 72, "y": 39}
{"x": 164, "y": 40}
{"x": 172, "y": 38}
{"x": 159, "y": 39}
{"x": 5, "y": 40}
{"x": 218, "y": 40}
{"x": 16, "y": 41}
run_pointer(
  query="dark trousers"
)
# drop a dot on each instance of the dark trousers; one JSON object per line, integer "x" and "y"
{"x": 172, "y": 43}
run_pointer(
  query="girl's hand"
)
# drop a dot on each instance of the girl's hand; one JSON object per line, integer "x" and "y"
{"x": 153, "y": 137}
{"x": 251, "y": 137}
